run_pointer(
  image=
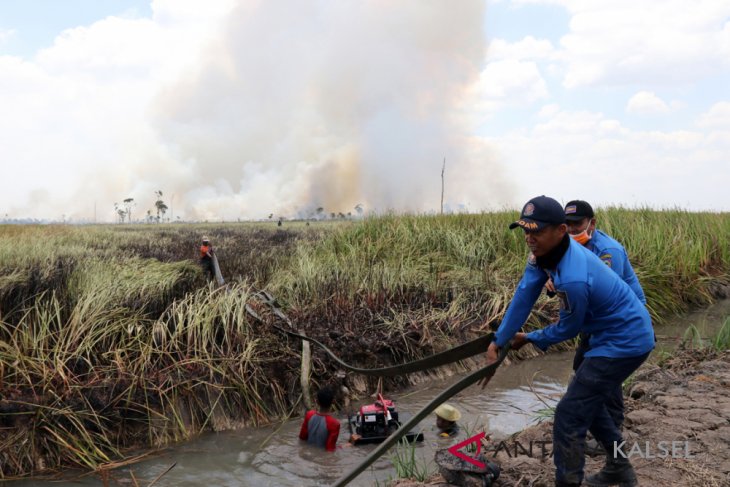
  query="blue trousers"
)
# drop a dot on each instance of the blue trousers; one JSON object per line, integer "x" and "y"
{"x": 615, "y": 400}
{"x": 586, "y": 406}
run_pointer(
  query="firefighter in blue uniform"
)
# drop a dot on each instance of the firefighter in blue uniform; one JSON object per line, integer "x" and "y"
{"x": 594, "y": 300}
{"x": 581, "y": 221}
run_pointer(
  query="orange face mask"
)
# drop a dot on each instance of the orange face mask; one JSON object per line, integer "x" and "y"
{"x": 582, "y": 237}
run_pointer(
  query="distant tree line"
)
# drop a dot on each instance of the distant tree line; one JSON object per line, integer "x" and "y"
{"x": 157, "y": 214}
{"x": 320, "y": 214}
{"x": 124, "y": 210}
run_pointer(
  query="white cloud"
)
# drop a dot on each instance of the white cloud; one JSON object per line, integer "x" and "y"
{"x": 527, "y": 48}
{"x": 515, "y": 80}
{"x": 646, "y": 103}
{"x": 549, "y": 110}
{"x": 189, "y": 12}
{"x": 511, "y": 76}
{"x": 717, "y": 117}
{"x": 507, "y": 83}
{"x": 6, "y": 34}
{"x": 581, "y": 154}
{"x": 625, "y": 41}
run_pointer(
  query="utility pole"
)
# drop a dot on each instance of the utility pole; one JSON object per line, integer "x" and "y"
{"x": 172, "y": 212}
{"x": 443, "y": 169}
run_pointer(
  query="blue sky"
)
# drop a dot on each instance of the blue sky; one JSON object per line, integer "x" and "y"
{"x": 512, "y": 22}
{"x": 332, "y": 104}
{"x": 36, "y": 23}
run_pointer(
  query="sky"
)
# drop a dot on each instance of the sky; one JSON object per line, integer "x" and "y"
{"x": 245, "y": 108}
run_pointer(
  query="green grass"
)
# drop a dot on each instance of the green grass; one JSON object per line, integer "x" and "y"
{"x": 407, "y": 464}
{"x": 692, "y": 338}
{"x": 721, "y": 340}
{"x": 544, "y": 414}
{"x": 111, "y": 338}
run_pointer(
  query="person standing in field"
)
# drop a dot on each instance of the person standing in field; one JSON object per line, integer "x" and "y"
{"x": 206, "y": 258}
{"x": 595, "y": 300}
{"x": 319, "y": 428}
{"x": 581, "y": 222}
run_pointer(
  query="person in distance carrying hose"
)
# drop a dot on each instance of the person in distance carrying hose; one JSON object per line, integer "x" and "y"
{"x": 206, "y": 258}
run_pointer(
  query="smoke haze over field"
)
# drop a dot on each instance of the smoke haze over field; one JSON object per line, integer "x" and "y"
{"x": 255, "y": 108}
{"x": 244, "y": 108}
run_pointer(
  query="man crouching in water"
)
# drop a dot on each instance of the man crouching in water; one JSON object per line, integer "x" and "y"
{"x": 594, "y": 300}
{"x": 446, "y": 420}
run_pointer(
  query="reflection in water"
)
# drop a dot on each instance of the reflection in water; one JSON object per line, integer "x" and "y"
{"x": 246, "y": 458}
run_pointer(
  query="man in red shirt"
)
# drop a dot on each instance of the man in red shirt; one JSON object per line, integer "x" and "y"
{"x": 319, "y": 427}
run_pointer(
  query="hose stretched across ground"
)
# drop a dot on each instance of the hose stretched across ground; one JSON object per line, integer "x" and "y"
{"x": 460, "y": 352}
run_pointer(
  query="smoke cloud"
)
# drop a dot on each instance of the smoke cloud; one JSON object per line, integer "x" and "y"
{"x": 271, "y": 107}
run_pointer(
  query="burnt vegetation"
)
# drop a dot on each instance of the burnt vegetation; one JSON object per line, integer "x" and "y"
{"x": 112, "y": 338}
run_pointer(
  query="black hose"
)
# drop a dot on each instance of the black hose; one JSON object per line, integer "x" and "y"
{"x": 460, "y": 352}
{"x": 487, "y": 371}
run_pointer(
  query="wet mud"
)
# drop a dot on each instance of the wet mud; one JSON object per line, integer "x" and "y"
{"x": 677, "y": 429}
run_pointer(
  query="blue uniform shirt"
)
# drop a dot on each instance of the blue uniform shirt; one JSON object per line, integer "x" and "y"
{"x": 614, "y": 256}
{"x": 593, "y": 299}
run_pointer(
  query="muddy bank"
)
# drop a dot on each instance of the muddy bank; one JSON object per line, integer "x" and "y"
{"x": 677, "y": 429}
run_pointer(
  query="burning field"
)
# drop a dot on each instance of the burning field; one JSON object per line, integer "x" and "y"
{"x": 112, "y": 339}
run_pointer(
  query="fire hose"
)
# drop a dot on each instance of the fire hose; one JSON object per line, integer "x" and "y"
{"x": 460, "y": 352}
{"x": 485, "y": 372}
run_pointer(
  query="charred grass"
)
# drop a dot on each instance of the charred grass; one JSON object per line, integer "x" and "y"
{"x": 111, "y": 338}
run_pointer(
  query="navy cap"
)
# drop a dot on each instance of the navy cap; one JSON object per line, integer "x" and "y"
{"x": 538, "y": 213}
{"x": 576, "y": 210}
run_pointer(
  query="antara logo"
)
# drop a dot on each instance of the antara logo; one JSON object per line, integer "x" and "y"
{"x": 454, "y": 450}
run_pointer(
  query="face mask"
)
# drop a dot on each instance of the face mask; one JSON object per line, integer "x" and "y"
{"x": 582, "y": 237}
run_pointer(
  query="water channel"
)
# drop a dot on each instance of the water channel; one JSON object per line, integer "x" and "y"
{"x": 274, "y": 456}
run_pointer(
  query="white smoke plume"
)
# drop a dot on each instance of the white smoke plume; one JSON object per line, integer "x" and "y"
{"x": 258, "y": 107}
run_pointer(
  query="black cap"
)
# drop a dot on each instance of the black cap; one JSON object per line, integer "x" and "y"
{"x": 576, "y": 210}
{"x": 538, "y": 213}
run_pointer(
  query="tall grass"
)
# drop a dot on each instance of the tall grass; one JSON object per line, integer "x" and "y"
{"x": 472, "y": 262}
{"x": 110, "y": 336}
{"x": 110, "y": 379}
{"x": 111, "y": 339}
{"x": 681, "y": 258}
{"x": 407, "y": 464}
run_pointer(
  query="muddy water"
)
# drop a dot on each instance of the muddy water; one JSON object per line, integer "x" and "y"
{"x": 237, "y": 459}
{"x": 273, "y": 456}
{"x": 708, "y": 322}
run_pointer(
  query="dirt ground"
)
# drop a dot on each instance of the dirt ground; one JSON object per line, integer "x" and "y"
{"x": 685, "y": 400}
